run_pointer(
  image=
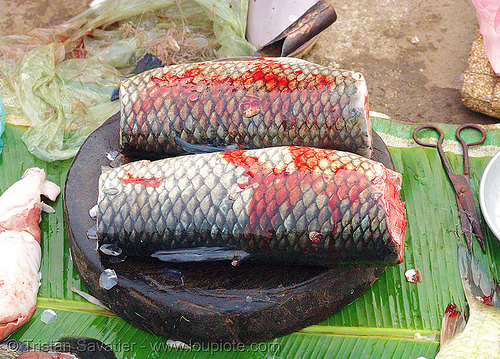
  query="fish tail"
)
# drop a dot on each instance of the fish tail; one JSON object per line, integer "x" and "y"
{"x": 479, "y": 284}
{"x": 480, "y": 288}
{"x": 452, "y": 324}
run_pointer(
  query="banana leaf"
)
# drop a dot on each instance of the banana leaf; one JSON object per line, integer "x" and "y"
{"x": 386, "y": 322}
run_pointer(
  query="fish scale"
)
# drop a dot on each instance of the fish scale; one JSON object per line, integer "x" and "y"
{"x": 292, "y": 204}
{"x": 252, "y": 103}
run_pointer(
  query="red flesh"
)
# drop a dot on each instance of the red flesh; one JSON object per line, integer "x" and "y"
{"x": 146, "y": 182}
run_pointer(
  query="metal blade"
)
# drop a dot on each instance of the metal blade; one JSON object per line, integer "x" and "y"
{"x": 470, "y": 219}
{"x": 466, "y": 224}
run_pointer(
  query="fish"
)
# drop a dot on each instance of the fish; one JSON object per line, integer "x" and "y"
{"x": 479, "y": 336}
{"x": 20, "y": 252}
{"x": 248, "y": 102}
{"x": 289, "y": 204}
{"x": 63, "y": 348}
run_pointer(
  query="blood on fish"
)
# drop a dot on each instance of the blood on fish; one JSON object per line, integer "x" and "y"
{"x": 250, "y": 106}
{"x": 272, "y": 183}
{"x": 268, "y": 71}
{"x": 157, "y": 80}
{"x": 306, "y": 106}
{"x": 271, "y": 203}
{"x": 487, "y": 299}
{"x": 276, "y": 188}
{"x": 316, "y": 237}
{"x": 147, "y": 182}
{"x": 193, "y": 98}
{"x": 308, "y": 158}
{"x": 239, "y": 158}
{"x": 452, "y": 310}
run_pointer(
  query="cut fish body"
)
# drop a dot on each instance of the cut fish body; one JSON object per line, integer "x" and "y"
{"x": 251, "y": 103}
{"x": 289, "y": 204}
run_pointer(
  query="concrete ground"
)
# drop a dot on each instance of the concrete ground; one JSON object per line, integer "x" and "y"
{"x": 412, "y": 52}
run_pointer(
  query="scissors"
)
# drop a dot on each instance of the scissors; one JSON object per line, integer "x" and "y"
{"x": 461, "y": 184}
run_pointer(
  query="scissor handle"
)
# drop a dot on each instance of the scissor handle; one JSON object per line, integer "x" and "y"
{"x": 474, "y": 127}
{"x": 438, "y": 146}
{"x": 429, "y": 127}
{"x": 466, "y": 145}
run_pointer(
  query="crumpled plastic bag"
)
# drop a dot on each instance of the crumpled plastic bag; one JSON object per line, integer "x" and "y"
{"x": 488, "y": 17}
{"x": 229, "y": 26}
{"x": 64, "y": 100}
{"x": 62, "y": 77}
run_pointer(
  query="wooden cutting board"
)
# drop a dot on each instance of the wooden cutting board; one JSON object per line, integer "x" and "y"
{"x": 202, "y": 302}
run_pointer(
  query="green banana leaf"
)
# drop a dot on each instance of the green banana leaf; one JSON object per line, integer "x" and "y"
{"x": 382, "y": 323}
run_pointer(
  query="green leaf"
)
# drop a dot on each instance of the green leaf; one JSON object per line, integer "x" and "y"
{"x": 380, "y": 324}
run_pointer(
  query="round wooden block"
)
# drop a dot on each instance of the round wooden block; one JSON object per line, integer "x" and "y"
{"x": 202, "y": 302}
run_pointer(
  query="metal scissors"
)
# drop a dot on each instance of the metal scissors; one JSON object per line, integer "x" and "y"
{"x": 465, "y": 200}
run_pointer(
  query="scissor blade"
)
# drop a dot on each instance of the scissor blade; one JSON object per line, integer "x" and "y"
{"x": 466, "y": 225}
{"x": 470, "y": 220}
{"x": 476, "y": 228}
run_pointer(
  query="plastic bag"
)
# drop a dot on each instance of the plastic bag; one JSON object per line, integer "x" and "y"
{"x": 65, "y": 101}
{"x": 230, "y": 26}
{"x": 63, "y": 76}
{"x": 488, "y": 16}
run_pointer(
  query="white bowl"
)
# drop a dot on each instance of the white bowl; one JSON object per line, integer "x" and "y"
{"x": 489, "y": 195}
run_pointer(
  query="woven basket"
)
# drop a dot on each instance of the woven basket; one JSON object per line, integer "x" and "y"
{"x": 481, "y": 85}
